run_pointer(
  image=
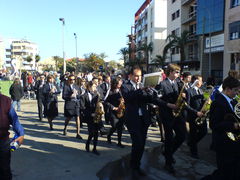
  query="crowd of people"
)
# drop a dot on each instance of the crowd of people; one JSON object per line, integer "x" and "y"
{"x": 122, "y": 100}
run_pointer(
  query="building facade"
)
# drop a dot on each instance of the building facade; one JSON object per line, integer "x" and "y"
{"x": 232, "y": 36}
{"x": 189, "y": 24}
{"x": 210, "y": 31}
{"x": 17, "y": 51}
{"x": 173, "y": 27}
{"x": 150, "y": 31}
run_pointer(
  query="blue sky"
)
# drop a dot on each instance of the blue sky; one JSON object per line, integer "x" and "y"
{"x": 100, "y": 25}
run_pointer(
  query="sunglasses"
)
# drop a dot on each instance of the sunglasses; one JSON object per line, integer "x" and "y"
{"x": 72, "y": 79}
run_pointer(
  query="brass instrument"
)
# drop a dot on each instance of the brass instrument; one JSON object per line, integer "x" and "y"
{"x": 99, "y": 111}
{"x": 205, "y": 109}
{"x": 121, "y": 108}
{"x": 180, "y": 103}
{"x": 236, "y": 118}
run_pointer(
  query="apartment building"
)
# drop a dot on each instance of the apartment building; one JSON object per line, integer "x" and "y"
{"x": 188, "y": 22}
{"x": 2, "y": 53}
{"x": 173, "y": 27}
{"x": 232, "y": 36}
{"x": 18, "y": 51}
{"x": 150, "y": 31}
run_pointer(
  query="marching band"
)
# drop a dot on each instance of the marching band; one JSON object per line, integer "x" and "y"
{"x": 183, "y": 109}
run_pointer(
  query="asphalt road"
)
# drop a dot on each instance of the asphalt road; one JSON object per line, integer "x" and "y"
{"x": 50, "y": 155}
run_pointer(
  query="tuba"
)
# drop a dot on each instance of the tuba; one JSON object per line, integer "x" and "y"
{"x": 99, "y": 111}
{"x": 180, "y": 103}
{"x": 205, "y": 109}
{"x": 236, "y": 117}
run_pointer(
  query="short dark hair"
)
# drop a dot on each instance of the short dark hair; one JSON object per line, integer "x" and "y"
{"x": 134, "y": 68}
{"x": 186, "y": 74}
{"x": 230, "y": 82}
{"x": 195, "y": 77}
{"x": 115, "y": 82}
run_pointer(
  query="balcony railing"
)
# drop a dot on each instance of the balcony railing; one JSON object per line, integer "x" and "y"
{"x": 186, "y": 2}
{"x": 191, "y": 17}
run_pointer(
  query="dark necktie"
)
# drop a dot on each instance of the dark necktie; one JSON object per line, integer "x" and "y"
{"x": 233, "y": 103}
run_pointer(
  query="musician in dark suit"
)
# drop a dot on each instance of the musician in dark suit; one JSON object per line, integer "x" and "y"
{"x": 71, "y": 95}
{"x": 88, "y": 103}
{"x": 104, "y": 90}
{"x": 39, "y": 96}
{"x": 170, "y": 93}
{"x": 224, "y": 120}
{"x": 195, "y": 101}
{"x": 50, "y": 92}
{"x": 113, "y": 101}
{"x": 137, "y": 117}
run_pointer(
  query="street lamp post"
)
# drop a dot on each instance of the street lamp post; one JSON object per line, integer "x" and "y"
{"x": 75, "y": 35}
{"x": 64, "y": 61}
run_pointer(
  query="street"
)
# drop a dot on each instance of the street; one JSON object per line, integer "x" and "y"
{"x": 50, "y": 155}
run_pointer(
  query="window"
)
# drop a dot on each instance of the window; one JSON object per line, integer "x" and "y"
{"x": 173, "y": 1}
{"x": 173, "y": 16}
{"x": 177, "y": 13}
{"x": 235, "y": 3}
{"x": 234, "y": 30}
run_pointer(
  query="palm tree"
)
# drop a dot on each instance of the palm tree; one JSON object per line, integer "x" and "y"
{"x": 124, "y": 52}
{"x": 175, "y": 41}
{"x": 159, "y": 60}
{"x": 146, "y": 49}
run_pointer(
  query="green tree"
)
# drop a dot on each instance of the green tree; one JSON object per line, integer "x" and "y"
{"x": 37, "y": 58}
{"x": 93, "y": 61}
{"x": 29, "y": 59}
{"x": 159, "y": 60}
{"x": 58, "y": 63}
{"x": 177, "y": 42}
{"x": 146, "y": 48}
{"x": 124, "y": 52}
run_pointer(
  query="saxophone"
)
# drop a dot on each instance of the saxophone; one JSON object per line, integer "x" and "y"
{"x": 236, "y": 117}
{"x": 99, "y": 111}
{"x": 180, "y": 103}
{"x": 205, "y": 109}
{"x": 121, "y": 108}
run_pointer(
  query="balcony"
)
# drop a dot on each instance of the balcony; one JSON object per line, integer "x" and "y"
{"x": 191, "y": 17}
{"x": 185, "y": 2}
{"x": 192, "y": 36}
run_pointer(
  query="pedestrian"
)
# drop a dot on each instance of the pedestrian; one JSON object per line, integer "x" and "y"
{"x": 16, "y": 92}
{"x": 8, "y": 117}
{"x": 116, "y": 104}
{"x": 71, "y": 94}
{"x": 90, "y": 102}
{"x": 40, "y": 97}
{"x": 50, "y": 91}
{"x": 224, "y": 122}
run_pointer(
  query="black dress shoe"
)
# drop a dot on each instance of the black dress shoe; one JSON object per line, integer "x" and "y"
{"x": 87, "y": 147}
{"x": 95, "y": 152}
{"x": 64, "y": 132}
{"x": 120, "y": 145}
{"x": 79, "y": 137}
{"x": 141, "y": 172}
{"x": 169, "y": 168}
{"x": 109, "y": 139}
{"x": 170, "y": 160}
{"x": 51, "y": 128}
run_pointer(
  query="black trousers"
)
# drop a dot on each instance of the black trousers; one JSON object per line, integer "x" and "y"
{"x": 196, "y": 133}
{"x": 175, "y": 134}
{"x": 5, "y": 160}
{"x": 41, "y": 107}
{"x": 228, "y": 167}
{"x": 138, "y": 133}
{"x": 93, "y": 133}
{"x": 117, "y": 124}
